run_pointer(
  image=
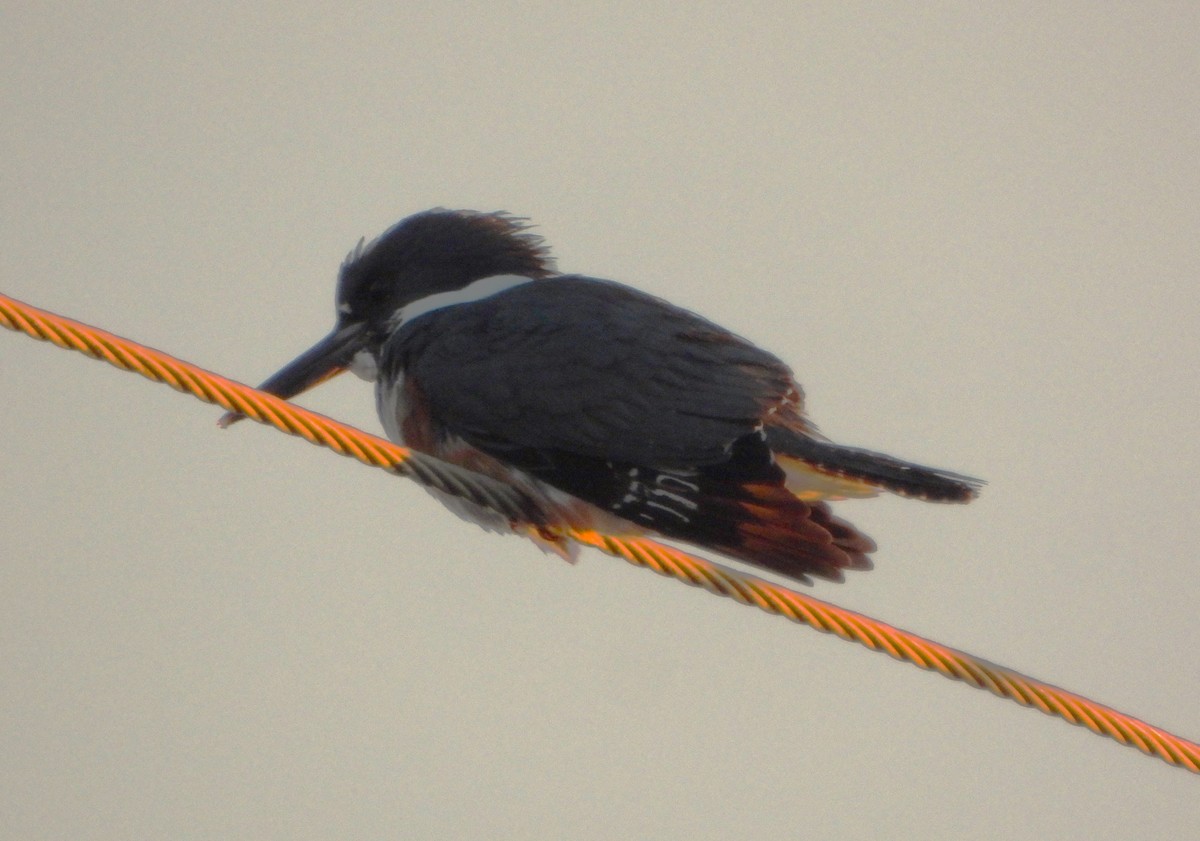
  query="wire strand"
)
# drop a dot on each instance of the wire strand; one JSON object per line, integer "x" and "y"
{"x": 664, "y": 560}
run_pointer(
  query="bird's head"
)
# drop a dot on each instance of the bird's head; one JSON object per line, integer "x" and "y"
{"x": 427, "y": 254}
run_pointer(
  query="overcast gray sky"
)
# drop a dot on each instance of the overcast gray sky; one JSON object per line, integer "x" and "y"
{"x": 970, "y": 228}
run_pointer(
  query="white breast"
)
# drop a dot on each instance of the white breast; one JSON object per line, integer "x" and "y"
{"x": 364, "y": 366}
{"x": 392, "y": 407}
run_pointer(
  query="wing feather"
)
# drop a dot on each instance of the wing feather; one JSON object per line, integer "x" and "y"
{"x": 593, "y": 368}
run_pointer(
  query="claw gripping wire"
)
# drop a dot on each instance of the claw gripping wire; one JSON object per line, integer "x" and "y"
{"x": 665, "y": 560}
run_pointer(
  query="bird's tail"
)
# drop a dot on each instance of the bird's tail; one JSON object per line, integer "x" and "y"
{"x": 818, "y": 469}
{"x": 782, "y": 522}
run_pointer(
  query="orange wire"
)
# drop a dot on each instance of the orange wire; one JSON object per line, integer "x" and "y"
{"x": 665, "y": 560}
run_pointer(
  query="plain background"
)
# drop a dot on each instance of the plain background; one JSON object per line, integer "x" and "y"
{"x": 971, "y": 228}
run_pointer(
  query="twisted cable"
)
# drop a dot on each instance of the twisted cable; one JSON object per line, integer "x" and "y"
{"x": 664, "y": 560}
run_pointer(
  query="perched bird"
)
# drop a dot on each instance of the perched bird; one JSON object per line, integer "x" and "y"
{"x": 614, "y": 410}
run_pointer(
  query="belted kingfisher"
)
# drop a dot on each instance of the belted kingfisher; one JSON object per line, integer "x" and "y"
{"x": 612, "y": 409}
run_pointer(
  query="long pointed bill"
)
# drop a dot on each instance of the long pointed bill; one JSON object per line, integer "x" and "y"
{"x": 323, "y": 361}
